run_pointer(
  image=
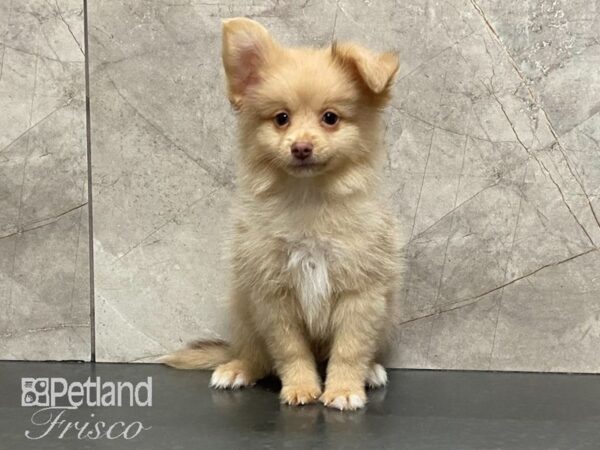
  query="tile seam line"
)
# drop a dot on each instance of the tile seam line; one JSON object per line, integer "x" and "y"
{"x": 88, "y": 135}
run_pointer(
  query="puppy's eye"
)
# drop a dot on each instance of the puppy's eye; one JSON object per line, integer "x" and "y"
{"x": 282, "y": 119}
{"x": 330, "y": 118}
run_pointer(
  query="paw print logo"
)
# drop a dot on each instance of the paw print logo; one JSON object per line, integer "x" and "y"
{"x": 35, "y": 392}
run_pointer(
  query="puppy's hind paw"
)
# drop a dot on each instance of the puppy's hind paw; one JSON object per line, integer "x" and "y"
{"x": 377, "y": 376}
{"x": 231, "y": 375}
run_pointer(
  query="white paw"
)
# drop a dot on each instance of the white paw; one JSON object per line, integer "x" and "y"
{"x": 223, "y": 378}
{"x": 350, "y": 402}
{"x": 344, "y": 399}
{"x": 377, "y": 376}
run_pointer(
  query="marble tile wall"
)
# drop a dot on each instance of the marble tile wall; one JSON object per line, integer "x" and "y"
{"x": 44, "y": 259}
{"x": 493, "y": 170}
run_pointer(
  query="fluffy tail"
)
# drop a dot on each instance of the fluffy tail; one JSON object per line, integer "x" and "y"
{"x": 198, "y": 355}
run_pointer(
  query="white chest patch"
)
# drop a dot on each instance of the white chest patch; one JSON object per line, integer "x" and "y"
{"x": 307, "y": 267}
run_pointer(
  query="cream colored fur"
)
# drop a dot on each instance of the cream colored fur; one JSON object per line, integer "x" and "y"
{"x": 315, "y": 257}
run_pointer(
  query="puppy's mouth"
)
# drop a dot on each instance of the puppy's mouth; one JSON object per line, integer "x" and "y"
{"x": 307, "y": 163}
{"x": 306, "y": 166}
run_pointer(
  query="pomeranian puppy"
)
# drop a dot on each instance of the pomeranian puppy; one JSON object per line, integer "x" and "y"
{"x": 315, "y": 256}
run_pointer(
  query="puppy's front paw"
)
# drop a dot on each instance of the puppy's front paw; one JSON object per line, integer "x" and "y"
{"x": 300, "y": 394}
{"x": 344, "y": 399}
{"x": 231, "y": 375}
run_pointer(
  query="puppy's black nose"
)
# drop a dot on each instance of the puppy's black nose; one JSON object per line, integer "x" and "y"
{"x": 302, "y": 149}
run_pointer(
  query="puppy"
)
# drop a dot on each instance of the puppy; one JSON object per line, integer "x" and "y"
{"x": 315, "y": 257}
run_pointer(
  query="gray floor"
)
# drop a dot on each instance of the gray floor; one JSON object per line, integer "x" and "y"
{"x": 418, "y": 410}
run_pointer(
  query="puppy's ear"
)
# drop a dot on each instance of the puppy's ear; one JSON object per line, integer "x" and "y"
{"x": 377, "y": 70}
{"x": 246, "y": 48}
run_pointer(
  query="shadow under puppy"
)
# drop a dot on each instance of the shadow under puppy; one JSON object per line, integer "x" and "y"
{"x": 315, "y": 256}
